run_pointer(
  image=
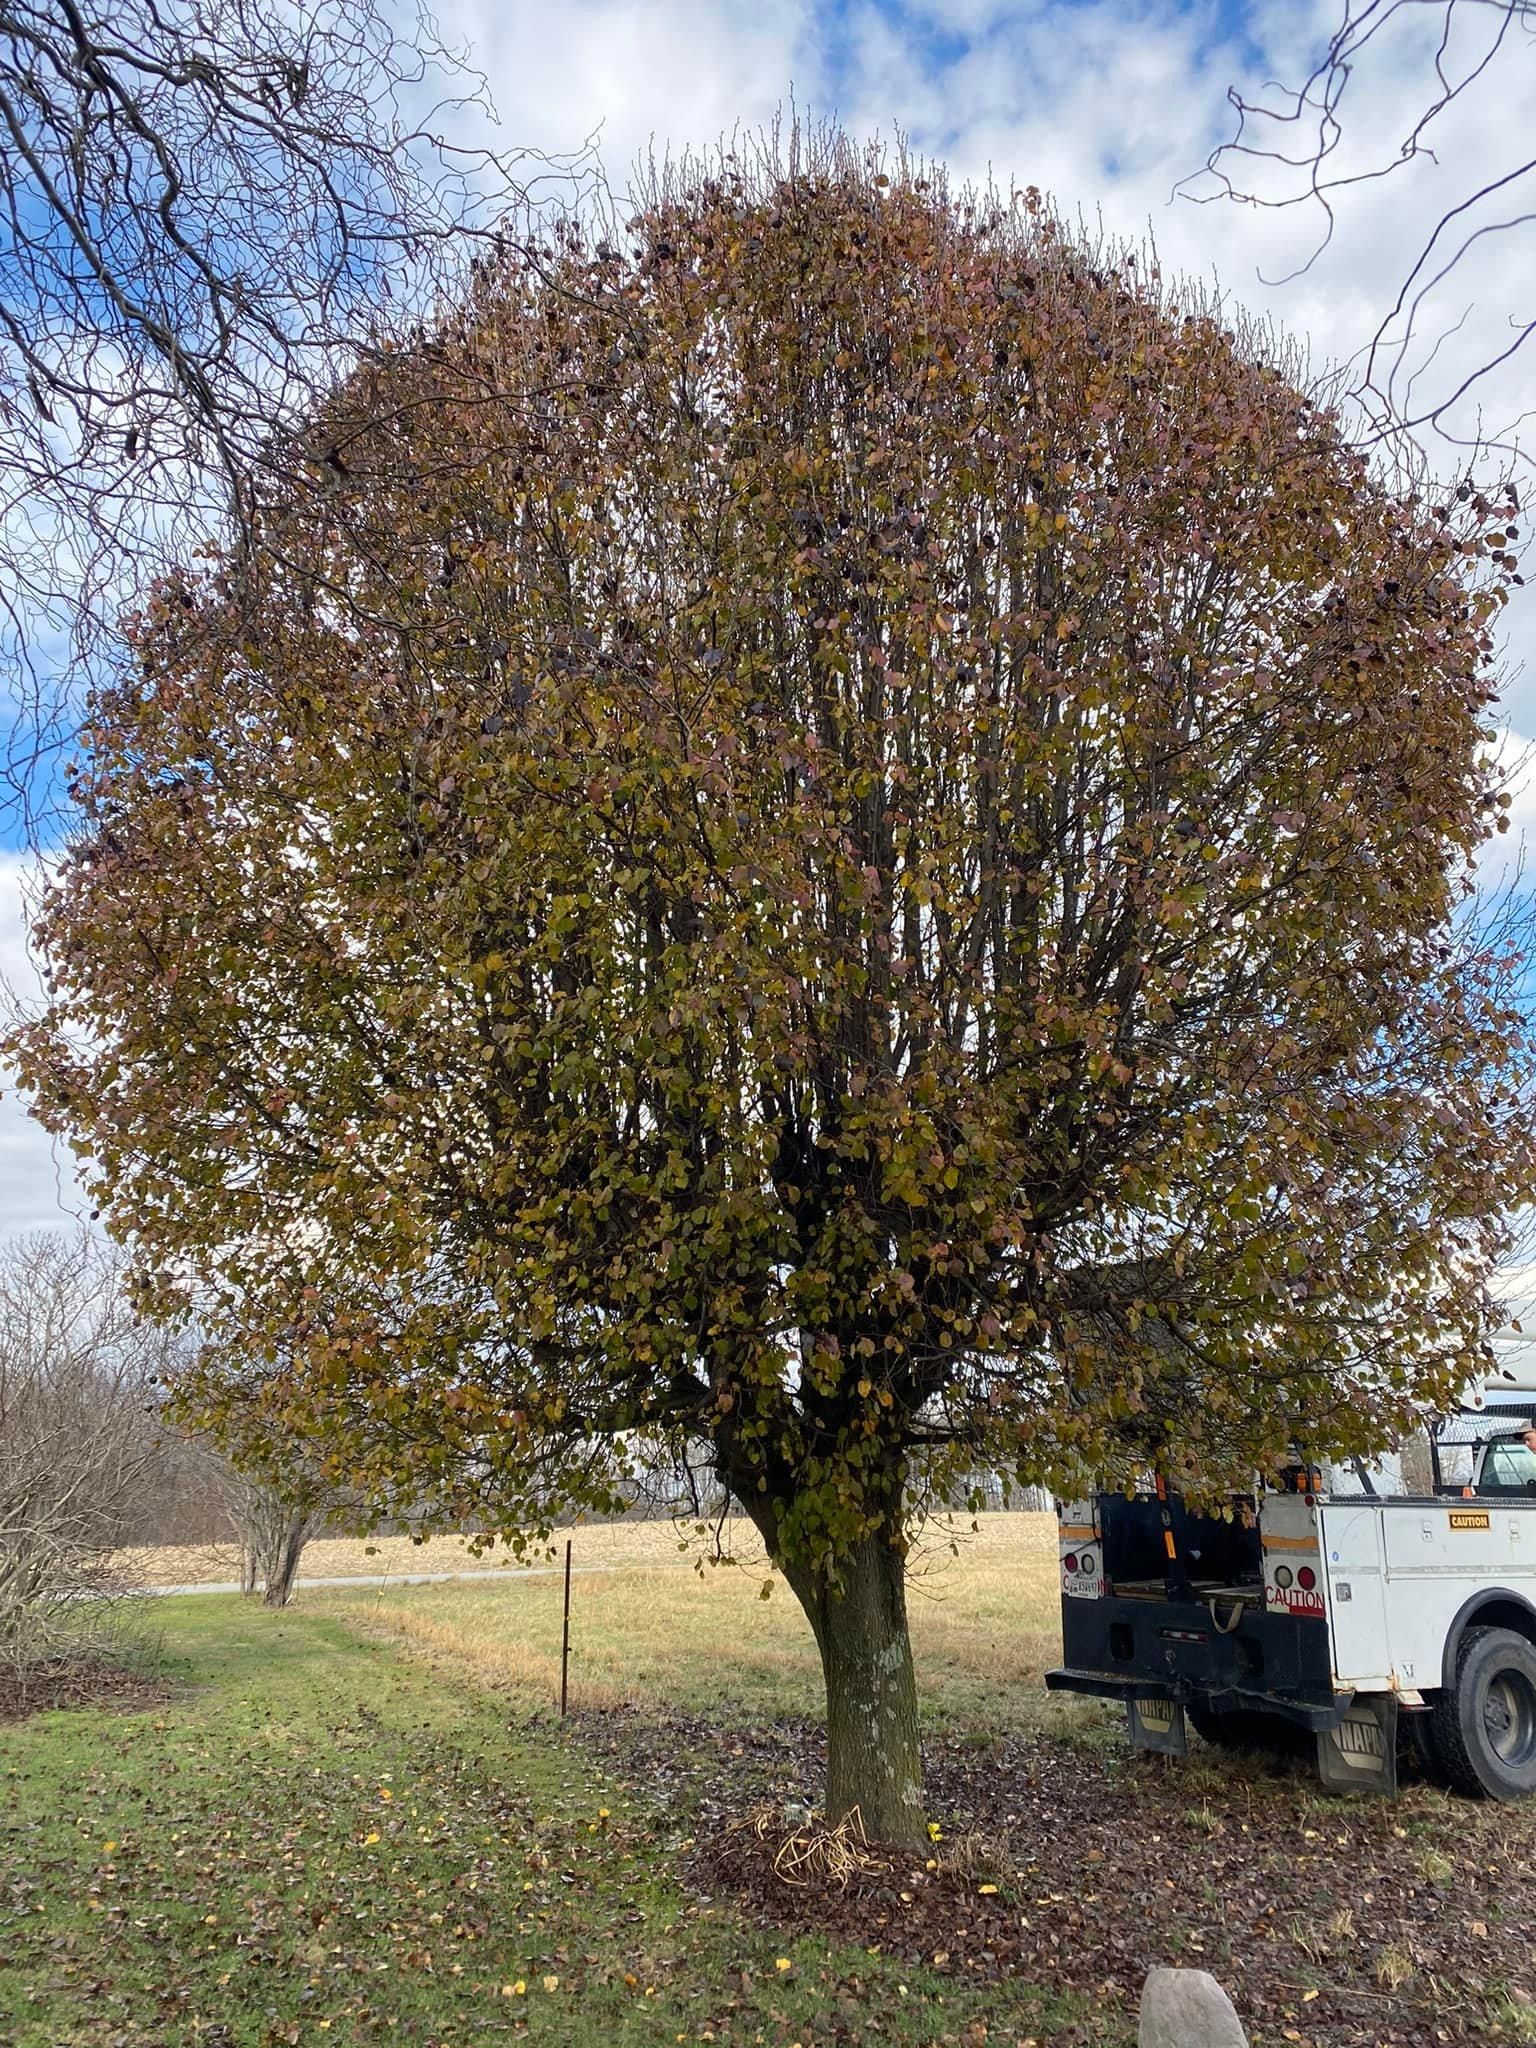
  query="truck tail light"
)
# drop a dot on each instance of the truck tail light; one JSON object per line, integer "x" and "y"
{"x": 1306, "y": 1578}
{"x": 1086, "y": 1562}
{"x": 1069, "y": 1562}
{"x": 1282, "y": 1576}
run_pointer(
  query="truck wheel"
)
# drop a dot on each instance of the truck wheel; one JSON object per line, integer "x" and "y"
{"x": 1417, "y": 1748}
{"x": 1485, "y": 1724}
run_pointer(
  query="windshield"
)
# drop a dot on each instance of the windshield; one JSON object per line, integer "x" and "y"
{"x": 1508, "y": 1466}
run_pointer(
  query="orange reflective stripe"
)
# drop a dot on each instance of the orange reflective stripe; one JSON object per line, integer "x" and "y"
{"x": 1168, "y": 1543}
{"x": 1308, "y": 1543}
{"x": 1079, "y": 1532}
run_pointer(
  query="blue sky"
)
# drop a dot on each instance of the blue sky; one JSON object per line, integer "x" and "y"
{"x": 1106, "y": 104}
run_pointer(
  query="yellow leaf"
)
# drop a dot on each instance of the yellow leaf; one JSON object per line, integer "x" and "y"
{"x": 551, "y": 1983}
{"x": 783, "y": 1963}
{"x": 107, "y": 1848}
{"x": 370, "y": 1839}
{"x": 986, "y": 1888}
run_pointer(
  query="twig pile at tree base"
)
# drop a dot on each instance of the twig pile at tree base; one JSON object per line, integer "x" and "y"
{"x": 814, "y": 1854}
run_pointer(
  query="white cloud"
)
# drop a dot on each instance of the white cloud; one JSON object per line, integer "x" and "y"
{"x": 1507, "y": 861}
{"x": 638, "y": 72}
{"x": 38, "y": 1189}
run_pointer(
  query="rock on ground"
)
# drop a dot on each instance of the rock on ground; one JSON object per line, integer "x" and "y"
{"x": 1187, "y": 2009}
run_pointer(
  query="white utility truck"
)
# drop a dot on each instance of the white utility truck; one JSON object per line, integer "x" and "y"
{"x": 1351, "y": 1617}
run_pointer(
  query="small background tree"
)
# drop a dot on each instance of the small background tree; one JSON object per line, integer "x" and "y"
{"x": 887, "y": 905}
{"x": 276, "y": 1496}
{"x": 79, "y": 1444}
{"x": 273, "y": 1524}
{"x": 266, "y": 1505}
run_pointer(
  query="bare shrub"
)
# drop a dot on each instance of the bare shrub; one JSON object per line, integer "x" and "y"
{"x": 79, "y": 1439}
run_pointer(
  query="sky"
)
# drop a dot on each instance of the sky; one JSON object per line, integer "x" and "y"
{"x": 1106, "y": 105}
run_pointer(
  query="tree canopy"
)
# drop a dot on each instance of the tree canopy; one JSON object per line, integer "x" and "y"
{"x": 890, "y": 900}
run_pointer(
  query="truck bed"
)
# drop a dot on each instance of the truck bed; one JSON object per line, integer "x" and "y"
{"x": 1249, "y": 1591}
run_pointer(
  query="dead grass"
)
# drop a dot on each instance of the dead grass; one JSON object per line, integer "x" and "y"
{"x": 646, "y": 1628}
{"x": 328, "y": 1557}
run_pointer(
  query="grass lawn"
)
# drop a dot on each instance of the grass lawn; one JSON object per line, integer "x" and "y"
{"x": 1335, "y": 1924}
{"x": 359, "y": 1821}
{"x": 315, "y": 1838}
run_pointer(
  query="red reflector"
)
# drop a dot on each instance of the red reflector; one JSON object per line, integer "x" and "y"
{"x": 1306, "y": 1578}
{"x": 1069, "y": 1562}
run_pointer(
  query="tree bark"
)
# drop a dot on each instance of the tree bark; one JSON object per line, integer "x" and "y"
{"x": 283, "y": 1564}
{"x": 874, "y": 1761}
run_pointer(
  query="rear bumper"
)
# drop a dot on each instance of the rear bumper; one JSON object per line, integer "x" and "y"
{"x": 1099, "y": 1685}
{"x": 1174, "y": 1650}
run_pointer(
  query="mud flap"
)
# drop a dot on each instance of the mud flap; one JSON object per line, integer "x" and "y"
{"x": 1360, "y": 1755}
{"x": 1157, "y": 1725}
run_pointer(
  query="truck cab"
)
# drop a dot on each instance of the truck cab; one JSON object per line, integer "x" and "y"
{"x": 1501, "y": 1466}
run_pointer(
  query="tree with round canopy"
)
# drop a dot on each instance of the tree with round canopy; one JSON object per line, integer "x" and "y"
{"x": 880, "y": 891}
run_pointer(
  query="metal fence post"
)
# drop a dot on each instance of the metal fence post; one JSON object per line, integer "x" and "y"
{"x": 565, "y": 1631}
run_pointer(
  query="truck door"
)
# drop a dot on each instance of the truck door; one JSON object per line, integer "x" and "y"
{"x": 1355, "y": 1575}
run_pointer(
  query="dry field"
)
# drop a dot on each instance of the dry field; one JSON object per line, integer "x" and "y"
{"x": 328, "y": 1557}
{"x": 358, "y": 1557}
{"x": 656, "y": 1619}
{"x": 654, "y": 1622}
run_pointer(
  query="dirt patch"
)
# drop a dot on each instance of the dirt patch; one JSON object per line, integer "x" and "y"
{"x": 1333, "y": 1924}
{"x": 79, "y": 1682}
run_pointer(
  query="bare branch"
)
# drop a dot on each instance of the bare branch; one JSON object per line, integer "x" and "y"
{"x": 1301, "y": 130}
{"x": 209, "y": 214}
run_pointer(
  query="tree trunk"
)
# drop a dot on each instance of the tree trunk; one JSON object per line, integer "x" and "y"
{"x": 874, "y": 1763}
{"x": 283, "y": 1564}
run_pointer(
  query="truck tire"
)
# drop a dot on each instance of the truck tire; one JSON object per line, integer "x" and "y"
{"x": 1484, "y": 1725}
{"x": 1417, "y": 1748}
